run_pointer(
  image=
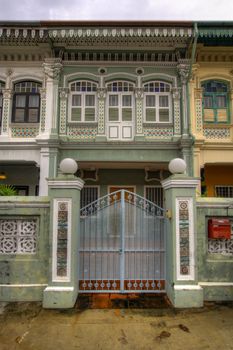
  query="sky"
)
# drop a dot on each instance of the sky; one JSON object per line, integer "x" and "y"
{"x": 116, "y": 10}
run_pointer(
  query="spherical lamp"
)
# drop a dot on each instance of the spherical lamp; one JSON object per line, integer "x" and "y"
{"x": 68, "y": 166}
{"x": 177, "y": 166}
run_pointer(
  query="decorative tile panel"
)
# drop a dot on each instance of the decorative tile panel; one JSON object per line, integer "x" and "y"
{"x": 161, "y": 133}
{"x": 101, "y": 94}
{"x": 139, "y": 93}
{"x": 63, "y": 109}
{"x": 82, "y": 133}
{"x": 176, "y": 103}
{"x": 184, "y": 238}
{"x": 198, "y": 107}
{"x": 42, "y": 109}
{"x": 61, "y": 239}
{"x": 18, "y": 236}
{"x": 217, "y": 133}
{"x": 24, "y": 132}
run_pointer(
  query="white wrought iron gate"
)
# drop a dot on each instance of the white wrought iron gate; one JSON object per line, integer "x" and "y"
{"x": 122, "y": 245}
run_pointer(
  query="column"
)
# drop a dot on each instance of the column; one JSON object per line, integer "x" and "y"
{"x": 181, "y": 241}
{"x": 42, "y": 110}
{"x": 101, "y": 132}
{"x": 52, "y": 69}
{"x": 177, "y": 114}
{"x": 183, "y": 70}
{"x": 6, "y": 112}
{"x": 62, "y": 289}
{"x": 139, "y": 95}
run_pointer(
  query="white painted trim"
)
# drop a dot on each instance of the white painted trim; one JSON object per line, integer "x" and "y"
{"x": 160, "y": 76}
{"x": 56, "y": 278}
{"x": 59, "y": 289}
{"x": 225, "y": 205}
{"x": 67, "y": 184}
{"x": 216, "y": 284}
{"x": 180, "y": 183}
{"x": 72, "y": 77}
{"x": 191, "y": 276}
{"x": 187, "y": 287}
{"x": 116, "y": 76}
{"x": 23, "y": 285}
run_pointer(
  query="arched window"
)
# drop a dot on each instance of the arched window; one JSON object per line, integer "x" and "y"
{"x": 2, "y": 86}
{"x": 83, "y": 101}
{"x": 157, "y": 102}
{"x": 120, "y": 101}
{"x": 26, "y": 102}
{"x": 215, "y": 102}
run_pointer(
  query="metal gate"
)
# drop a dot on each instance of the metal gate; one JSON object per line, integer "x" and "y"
{"x": 122, "y": 245}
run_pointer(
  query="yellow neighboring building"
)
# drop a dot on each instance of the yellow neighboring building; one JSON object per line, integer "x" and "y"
{"x": 211, "y": 103}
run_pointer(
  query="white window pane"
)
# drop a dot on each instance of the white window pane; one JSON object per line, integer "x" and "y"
{"x": 150, "y": 115}
{"x": 126, "y": 100}
{"x": 113, "y": 100}
{"x": 33, "y": 115}
{"x": 34, "y": 101}
{"x": 76, "y": 100}
{"x": 150, "y": 101}
{"x": 163, "y": 101}
{"x": 20, "y": 101}
{"x": 90, "y": 114}
{"x": 90, "y": 100}
{"x": 76, "y": 114}
{"x": 19, "y": 115}
{"x": 221, "y": 101}
{"x": 164, "y": 115}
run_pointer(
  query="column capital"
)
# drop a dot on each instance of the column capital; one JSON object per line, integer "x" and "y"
{"x": 7, "y": 93}
{"x": 183, "y": 70}
{"x": 139, "y": 93}
{"x": 176, "y": 93}
{"x": 101, "y": 93}
{"x": 52, "y": 68}
{"x": 64, "y": 92}
{"x": 42, "y": 92}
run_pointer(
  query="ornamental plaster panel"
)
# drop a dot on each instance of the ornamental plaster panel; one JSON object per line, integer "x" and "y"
{"x": 82, "y": 133}
{"x": 158, "y": 133}
{"x": 217, "y": 133}
{"x": 63, "y": 109}
{"x": 24, "y": 132}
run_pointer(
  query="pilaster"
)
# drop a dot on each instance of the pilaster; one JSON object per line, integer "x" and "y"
{"x": 139, "y": 95}
{"x": 7, "y": 102}
{"x": 181, "y": 271}
{"x": 183, "y": 71}
{"x": 177, "y": 114}
{"x": 64, "y": 93}
{"x": 101, "y": 101}
{"x": 62, "y": 289}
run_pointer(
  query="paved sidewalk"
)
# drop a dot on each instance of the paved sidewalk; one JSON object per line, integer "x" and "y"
{"x": 26, "y": 326}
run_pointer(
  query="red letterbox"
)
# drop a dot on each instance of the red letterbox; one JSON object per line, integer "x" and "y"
{"x": 219, "y": 228}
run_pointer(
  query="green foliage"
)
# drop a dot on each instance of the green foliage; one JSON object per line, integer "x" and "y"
{"x": 7, "y": 190}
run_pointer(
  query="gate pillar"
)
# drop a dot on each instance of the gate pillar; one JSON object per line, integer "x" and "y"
{"x": 62, "y": 289}
{"x": 181, "y": 241}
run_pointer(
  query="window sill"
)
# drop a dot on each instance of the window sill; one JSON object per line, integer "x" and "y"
{"x": 219, "y": 125}
{"x": 82, "y": 123}
{"x": 32, "y": 125}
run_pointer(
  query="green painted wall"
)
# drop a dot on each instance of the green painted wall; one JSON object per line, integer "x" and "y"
{"x": 215, "y": 268}
{"x": 25, "y": 269}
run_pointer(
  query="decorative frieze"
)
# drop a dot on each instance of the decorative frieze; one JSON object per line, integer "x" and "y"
{"x": 184, "y": 238}
{"x": 18, "y": 236}
{"x": 161, "y": 132}
{"x": 82, "y": 133}
{"x": 217, "y": 133}
{"x": 61, "y": 238}
{"x": 24, "y": 131}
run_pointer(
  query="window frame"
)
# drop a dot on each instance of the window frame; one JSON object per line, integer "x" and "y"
{"x": 215, "y": 108}
{"x": 2, "y": 86}
{"x": 26, "y": 108}
{"x": 157, "y": 108}
{"x": 120, "y": 105}
{"x": 83, "y": 106}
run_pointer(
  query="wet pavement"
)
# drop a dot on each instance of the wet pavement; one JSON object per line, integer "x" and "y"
{"x": 27, "y": 326}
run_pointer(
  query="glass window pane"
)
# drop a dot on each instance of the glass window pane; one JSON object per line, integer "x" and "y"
{"x": 221, "y": 101}
{"x": 76, "y": 100}
{"x": 33, "y": 115}
{"x": 163, "y": 101}
{"x": 126, "y": 100}
{"x": 76, "y": 114}
{"x": 208, "y": 102}
{"x": 20, "y": 101}
{"x": 90, "y": 114}
{"x": 19, "y": 115}
{"x": 113, "y": 100}
{"x": 34, "y": 101}
{"x": 113, "y": 114}
{"x": 150, "y": 101}
{"x": 150, "y": 115}
{"x": 164, "y": 115}
{"x": 126, "y": 114}
{"x": 90, "y": 100}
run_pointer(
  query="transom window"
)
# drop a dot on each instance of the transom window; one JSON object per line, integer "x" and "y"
{"x": 120, "y": 101}
{"x": 83, "y": 101}
{"x": 2, "y": 86}
{"x": 215, "y": 102}
{"x": 26, "y": 102}
{"x": 157, "y": 102}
